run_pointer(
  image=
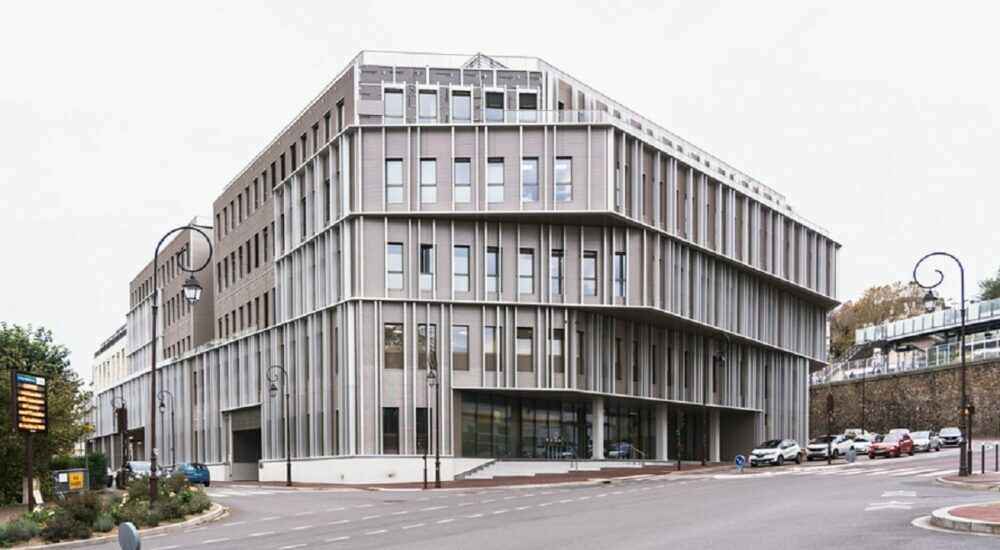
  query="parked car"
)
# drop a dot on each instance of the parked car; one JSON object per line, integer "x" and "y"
{"x": 776, "y": 452}
{"x": 838, "y": 444}
{"x": 950, "y": 437}
{"x": 900, "y": 431}
{"x": 195, "y": 472}
{"x": 620, "y": 450}
{"x": 924, "y": 442}
{"x": 890, "y": 445}
{"x": 855, "y": 432}
{"x": 863, "y": 443}
{"x": 134, "y": 469}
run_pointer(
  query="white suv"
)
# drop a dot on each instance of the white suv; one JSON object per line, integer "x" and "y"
{"x": 776, "y": 451}
{"x": 839, "y": 445}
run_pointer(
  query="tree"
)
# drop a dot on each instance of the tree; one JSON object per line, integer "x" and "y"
{"x": 29, "y": 349}
{"x": 877, "y": 305}
{"x": 989, "y": 288}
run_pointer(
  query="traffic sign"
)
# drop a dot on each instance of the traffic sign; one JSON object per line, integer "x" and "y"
{"x": 740, "y": 461}
{"x": 30, "y": 402}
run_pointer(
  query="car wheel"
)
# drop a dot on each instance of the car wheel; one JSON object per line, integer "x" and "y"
{"x": 781, "y": 459}
{"x": 207, "y": 483}
{"x": 871, "y": 456}
{"x": 836, "y": 454}
{"x": 911, "y": 451}
{"x": 798, "y": 458}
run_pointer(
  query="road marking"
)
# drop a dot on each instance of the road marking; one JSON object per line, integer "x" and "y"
{"x": 500, "y": 511}
{"x": 337, "y": 539}
{"x": 449, "y": 520}
{"x": 899, "y": 494}
{"x": 484, "y": 501}
{"x": 378, "y": 532}
{"x": 171, "y": 547}
{"x": 587, "y": 498}
{"x": 213, "y": 541}
{"x": 414, "y": 526}
{"x": 602, "y": 495}
{"x": 465, "y": 503}
{"x": 890, "y": 505}
{"x": 301, "y": 527}
{"x": 876, "y": 472}
{"x": 196, "y": 529}
{"x": 616, "y": 493}
{"x": 231, "y": 524}
{"x": 364, "y": 506}
{"x": 544, "y": 504}
{"x": 269, "y": 518}
{"x": 519, "y": 508}
{"x": 290, "y": 546}
{"x": 366, "y": 518}
{"x": 339, "y": 522}
{"x": 400, "y": 513}
{"x": 432, "y": 508}
{"x": 917, "y": 471}
{"x": 473, "y": 516}
{"x": 529, "y": 495}
{"x": 509, "y": 498}
{"x": 262, "y": 533}
{"x": 423, "y": 499}
{"x": 341, "y": 509}
{"x": 309, "y": 513}
{"x": 937, "y": 473}
{"x": 903, "y": 472}
{"x": 565, "y": 500}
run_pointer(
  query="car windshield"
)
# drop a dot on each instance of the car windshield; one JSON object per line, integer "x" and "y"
{"x": 825, "y": 439}
{"x": 140, "y": 466}
{"x": 198, "y": 467}
{"x": 951, "y": 431}
{"x": 862, "y": 439}
{"x": 888, "y": 438}
{"x": 770, "y": 444}
{"x": 920, "y": 435}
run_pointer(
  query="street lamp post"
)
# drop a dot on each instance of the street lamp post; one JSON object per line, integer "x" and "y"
{"x": 432, "y": 382}
{"x": 192, "y": 292}
{"x": 272, "y": 377}
{"x": 965, "y": 408}
{"x": 163, "y": 407}
{"x": 723, "y": 356}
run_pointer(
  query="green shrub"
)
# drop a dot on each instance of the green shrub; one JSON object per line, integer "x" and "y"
{"x": 167, "y": 508}
{"x": 138, "y": 489}
{"x": 63, "y": 526}
{"x": 174, "y": 484}
{"x": 83, "y": 507}
{"x": 18, "y": 530}
{"x": 104, "y": 523}
{"x": 97, "y": 464}
{"x": 199, "y": 501}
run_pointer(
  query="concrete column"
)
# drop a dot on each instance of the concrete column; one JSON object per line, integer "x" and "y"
{"x": 713, "y": 436}
{"x": 662, "y": 432}
{"x": 597, "y": 429}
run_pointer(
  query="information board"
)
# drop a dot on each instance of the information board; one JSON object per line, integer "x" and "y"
{"x": 30, "y": 402}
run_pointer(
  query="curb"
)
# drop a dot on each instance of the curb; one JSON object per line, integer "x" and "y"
{"x": 942, "y": 518}
{"x": 970, "y": 486}
{"x": 215, "y": 512}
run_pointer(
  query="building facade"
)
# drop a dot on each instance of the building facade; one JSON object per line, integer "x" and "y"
{"x": 110, "y": 361}
{"x": 578, "y": 278}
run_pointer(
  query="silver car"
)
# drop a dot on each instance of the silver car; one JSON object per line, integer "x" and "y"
{"x": 924, "y": 442}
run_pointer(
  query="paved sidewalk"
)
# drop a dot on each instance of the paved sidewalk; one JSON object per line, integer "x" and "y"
{"x": 979, "y": 482}
{"x": 606, "y": 474}
{"x": 983, "y": 519}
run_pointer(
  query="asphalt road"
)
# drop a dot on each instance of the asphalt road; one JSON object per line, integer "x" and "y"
{"x": 868, "y": 504}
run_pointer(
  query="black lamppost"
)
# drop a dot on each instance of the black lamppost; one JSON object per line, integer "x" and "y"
{"x": 432, "y": 382}
{"x": 163, "y": 408}
{"x": 118, "y": 404}
{"x": 723, "y": 355}
{"x": 192, "y": 292}
{"x": 965, "y": 408}
{"x": 272, "y": 377}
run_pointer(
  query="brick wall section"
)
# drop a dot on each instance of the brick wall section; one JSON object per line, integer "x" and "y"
{"x": 924, "y": 399}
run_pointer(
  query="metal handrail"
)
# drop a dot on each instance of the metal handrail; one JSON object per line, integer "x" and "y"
{"x": 636, "y": 450}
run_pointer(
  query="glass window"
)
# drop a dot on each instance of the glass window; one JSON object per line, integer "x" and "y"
{"x": 394, "y": 265}
{"x": 390, "y": 430}
{"x": 492, "y": 269}
{"x": 463, "y": 180}
{"x": 460, "y": 347}
{"x": 590, "y": 273}
{"x": 556, "y": 345}
{"x": 491, "y": 346}
{"x": 428, "y": 180}
{"x": 423, "y": 434}
{"x": 426, "y": 266}
{"x": 529, "y": 180}
{"x": 494, "y": 180}
{"x": 460, "y": 261}
{"x": 619, "y": 274}
{"x": 428, "y": 106}
{"x": 556, "y": 272}
{"x": 393, "y": 107}
{"x": 394, "y": 181}
{"x": 564, "y": 179}
{"x": 392, "y": 346}
{"x": 494, "y": 106}
{"x": 461, "y": 106}
{"x": 526, "y": 271}
{"x": 427, "y": 346}
{"x": 527, "y": 103}
{"x": 525, "y": 340}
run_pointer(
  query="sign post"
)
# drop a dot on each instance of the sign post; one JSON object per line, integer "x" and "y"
{"x": 740, "y": 462}
{"x": 30, "y": 416}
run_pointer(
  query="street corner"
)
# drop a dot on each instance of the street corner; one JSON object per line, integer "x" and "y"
{"x": 982, "y": 482}
{"x": 982, "y": 519}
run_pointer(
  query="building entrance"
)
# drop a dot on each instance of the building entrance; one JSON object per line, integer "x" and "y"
{"x": 246, "y": 438}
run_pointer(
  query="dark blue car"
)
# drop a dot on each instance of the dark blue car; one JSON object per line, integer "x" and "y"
{"x": 195, "y": 472}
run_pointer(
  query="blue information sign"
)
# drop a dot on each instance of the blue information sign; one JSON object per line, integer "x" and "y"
{"x": 740, "y": 461}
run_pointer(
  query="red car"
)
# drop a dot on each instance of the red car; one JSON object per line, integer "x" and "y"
{"x": 891, "y": 445}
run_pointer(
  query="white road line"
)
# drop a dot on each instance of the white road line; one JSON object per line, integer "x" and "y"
{"x": 378, "y": 532}
{"x": 473, "y": 516}
{"x": 423, "y": 499}
{"x": 509, "y": 498}
{"x": 500, "y": 511}
{"x": 262, "y": 534}
{"x": 448, "y": 520}
{"x": 466, "y": 503}
{"x": 366, "y": 518}
{"x": 902, "y": 472}
{"x": 565, "y": 500}
{"x": 586, "y": 498}
{"x": 400, "y": 513}
{"x": 213, "y": 541}
{"x": 335, "y": 509}
{"x": 231, "y": 524}
{"x": 519, "y": 508}
{"x": 414, "y": 526}
{"x": 364, "y": 505}
{"x": 337, "y": 539}
{"x": 339, "y": 522}
{"x": 855, "y": 471}
{"x": 269, "y": 518}
{"x": 486, "y": 500}
{"x": 938, "y": 473}
{"x": 301, "y": 527}
{"x": 432, "y": 508}
{"x": 916, "y": 471}
{"x": 602, "y": 495}
{"x": 290, "y": 546}
{"x": 171, "y": 547}
{"x": 876, "y": 472}
{"x": 196, "y": 529}
{"x": 529, "y": 495}
{"x": 309, "y": 513}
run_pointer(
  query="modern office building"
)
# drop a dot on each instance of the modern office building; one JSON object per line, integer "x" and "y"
{"x": 571, "y": 271}
{"x": 110, "y": 361}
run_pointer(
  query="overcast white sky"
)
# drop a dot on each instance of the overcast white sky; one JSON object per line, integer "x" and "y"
{"x": 877, "y": 120}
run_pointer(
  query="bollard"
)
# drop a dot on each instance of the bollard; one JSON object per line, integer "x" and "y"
{"x": 982, "y": 459}
{"x": 996, "y": 457}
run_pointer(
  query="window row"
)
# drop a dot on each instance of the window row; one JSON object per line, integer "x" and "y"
{"x": 247, "y": 316}
{"x": 427, "y": 347}
{"x": 247, "y": 258}
{"x": 429, "y": 110}
{"x": 462, "y": 180}
{"x": 395, "y": 277}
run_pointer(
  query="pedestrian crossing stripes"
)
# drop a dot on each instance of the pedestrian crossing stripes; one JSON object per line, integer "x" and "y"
{"x": 236, "y": 493}
{"x": 859, "y": 471}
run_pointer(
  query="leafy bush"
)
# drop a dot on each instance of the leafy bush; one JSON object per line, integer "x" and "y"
{"x": 18, "y": 530}
{"x": 83, "y": 507}
{"x": 63, "y": 526}
{"x": 198, "y": 502}
{"x": 138, "y": 489}
{"x": 97, "y": 464}
{"x": 104, "y": 523}
{"x": 135, "y": 511}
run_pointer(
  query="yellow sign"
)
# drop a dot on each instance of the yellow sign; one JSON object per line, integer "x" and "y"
{"x": 31, "y": 402}
{"x": 75, "y": 481}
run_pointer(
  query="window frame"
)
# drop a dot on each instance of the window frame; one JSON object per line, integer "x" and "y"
{"x": 589, "y": 256}
{"x": 522, "y": 277}
{"x": 556, "y": 279}
{"x": 464, "y": 186}
{"x": 394, "y": 187}
{"x": 428, "y": 190}
{"x": 393, "y": 119}
{"x": 458, "y": 275}
{"x": 421, "y": 94}
{"x": 389, "y": 272}
{"x": 498, "y": 271}
{"x": 461, "y": 92}
{"x": 527, "y": 186}
{"x": 494, "y": 186}
{"x": 620, "y": 275}
{"x": 563, "y": 188}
